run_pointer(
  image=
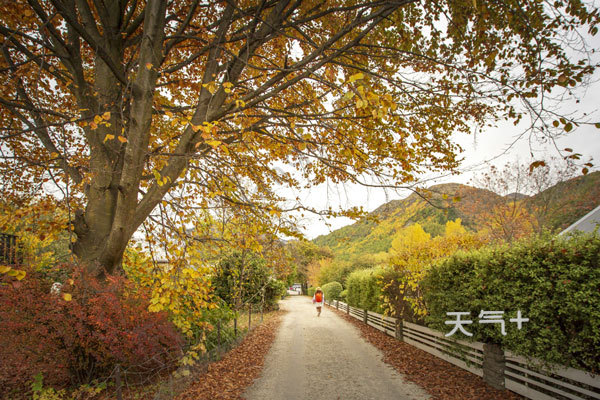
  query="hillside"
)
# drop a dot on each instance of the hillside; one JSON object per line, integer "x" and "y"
{"x": 432, "y": 208}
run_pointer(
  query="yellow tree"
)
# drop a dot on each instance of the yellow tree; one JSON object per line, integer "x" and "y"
{"x": 122, "y": 102}
{"x": 411, "y": 256}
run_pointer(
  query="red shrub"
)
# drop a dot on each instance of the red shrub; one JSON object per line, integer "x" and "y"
{"x": 73, "y": 342}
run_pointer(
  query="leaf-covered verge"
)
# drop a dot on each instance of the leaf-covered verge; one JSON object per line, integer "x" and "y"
{"x": 554, "y": 281}
{"x": 442, "y": 380}
{"x": 229, "y": 377}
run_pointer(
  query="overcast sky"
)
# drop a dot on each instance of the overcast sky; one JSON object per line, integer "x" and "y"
{"x": 495, "y": 146}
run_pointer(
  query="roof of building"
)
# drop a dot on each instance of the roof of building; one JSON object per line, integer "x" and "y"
{"x": 587, "y": 223}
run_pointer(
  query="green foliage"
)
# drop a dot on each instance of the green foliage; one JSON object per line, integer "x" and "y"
{"x": 219, "y": 319}
{"x": 555, "y": 283}
{"x": 39, "y": 392}
{"x": 304, "y": 253}
{"x": 274, "y": 291}
{"x": 344, "y": 295}
{"x": 241, "y": 278}
{"x": 364, "y": 290}
{"x": 311, "y": 291}
{"x": 338, "y": 270}
{"x": 332, "y": 290}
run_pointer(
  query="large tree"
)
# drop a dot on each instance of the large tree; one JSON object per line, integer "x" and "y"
{"x": 122, "y": 102}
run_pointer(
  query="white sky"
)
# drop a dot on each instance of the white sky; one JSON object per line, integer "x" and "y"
{"x": 492, "y": 146}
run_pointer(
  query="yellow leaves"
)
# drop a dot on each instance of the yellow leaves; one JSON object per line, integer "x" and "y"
{"x": 122, "y": 139}
{"x": 67, "y": 297}
{"x": 159, "y": 179}
{"x": 213, "y": 143}
{"x": 149, "y": 66}
{"x": 355, "y": 77}
{"x": 210, "y": 86}
{"x": 106, "y": 116}
{"x": 108, "y": 137}
{"x": 240, "y": 103}
{"x": 227, "y": 86}
{"x": 15, "y": 273}
{"x": 348, "y": 95}
{"x": 20, "y": 275}
{"x": 155, "y": 308}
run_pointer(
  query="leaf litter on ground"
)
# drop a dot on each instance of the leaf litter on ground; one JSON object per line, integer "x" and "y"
{"x": 441, "y": 379}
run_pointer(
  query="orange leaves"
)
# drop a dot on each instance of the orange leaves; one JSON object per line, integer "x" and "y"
{"x": 536, "y": 164}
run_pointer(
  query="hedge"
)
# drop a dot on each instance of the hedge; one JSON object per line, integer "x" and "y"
{"x": 554, "y": 281}
{"x": 332, "y": 290}
{"x": 364, "y": 290}
{"x": 311, "y": 291}
{"x": 344, "y": 295}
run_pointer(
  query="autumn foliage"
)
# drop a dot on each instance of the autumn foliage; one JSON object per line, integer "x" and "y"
{"x": 75, "y": 341}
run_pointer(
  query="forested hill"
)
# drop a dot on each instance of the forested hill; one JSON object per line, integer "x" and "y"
{"x": 562, "y": 205}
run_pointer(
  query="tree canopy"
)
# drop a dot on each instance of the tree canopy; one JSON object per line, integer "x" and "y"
{"x": 131, "y": 106}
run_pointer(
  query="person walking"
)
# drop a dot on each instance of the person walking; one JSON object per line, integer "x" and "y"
{"x": 318, "y": 300}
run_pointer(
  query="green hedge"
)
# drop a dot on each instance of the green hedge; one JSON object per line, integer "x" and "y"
{"x": 555, "y": 282}
{"x": 311, "y": 291}
{"x": 364, "y": 290}
{"x": 344, "y": 295}
{"x": 332, "y": 290}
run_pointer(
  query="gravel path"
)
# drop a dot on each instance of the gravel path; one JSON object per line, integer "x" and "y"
{"x": 325, "y": 357}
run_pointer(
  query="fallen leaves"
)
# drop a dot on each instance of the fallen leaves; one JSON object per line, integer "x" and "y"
{"x": 442, "y": 380}
{"x": 229, "y": 377}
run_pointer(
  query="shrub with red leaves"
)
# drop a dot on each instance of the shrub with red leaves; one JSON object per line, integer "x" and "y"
{"x": 73, "y": 342}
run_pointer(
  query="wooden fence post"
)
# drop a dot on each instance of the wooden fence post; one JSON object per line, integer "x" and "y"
{"x": 366, "y": 316}
{"x": 118, "y": 382}
{"x": 337, "y": 304}
{"x": 219, "y": 332}
{"x": 235, "y": 327}
{"x": 249, "y": 316}
{"x": 493, "y": 365}
{"x": 347, "y": 308}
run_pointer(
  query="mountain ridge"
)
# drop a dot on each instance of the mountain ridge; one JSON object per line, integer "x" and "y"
{"x": 565, "y": 203}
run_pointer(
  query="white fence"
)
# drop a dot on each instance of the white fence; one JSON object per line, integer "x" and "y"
{"x": 520, "y": 375}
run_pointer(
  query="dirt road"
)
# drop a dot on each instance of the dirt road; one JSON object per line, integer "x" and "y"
{"x": 325, "y": 358}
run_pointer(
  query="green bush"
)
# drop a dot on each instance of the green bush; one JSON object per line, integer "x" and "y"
{"x": 364, "y": 290}
{"x": 274, "y": 291}
{"x": 311, "y": 291}
{"x": 332, "y": 290}
{"x": 554, "y": 281}
{"x": 343, "y": 295}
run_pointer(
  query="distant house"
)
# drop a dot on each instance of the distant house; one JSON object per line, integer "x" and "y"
{"x": 586, "y": 224}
